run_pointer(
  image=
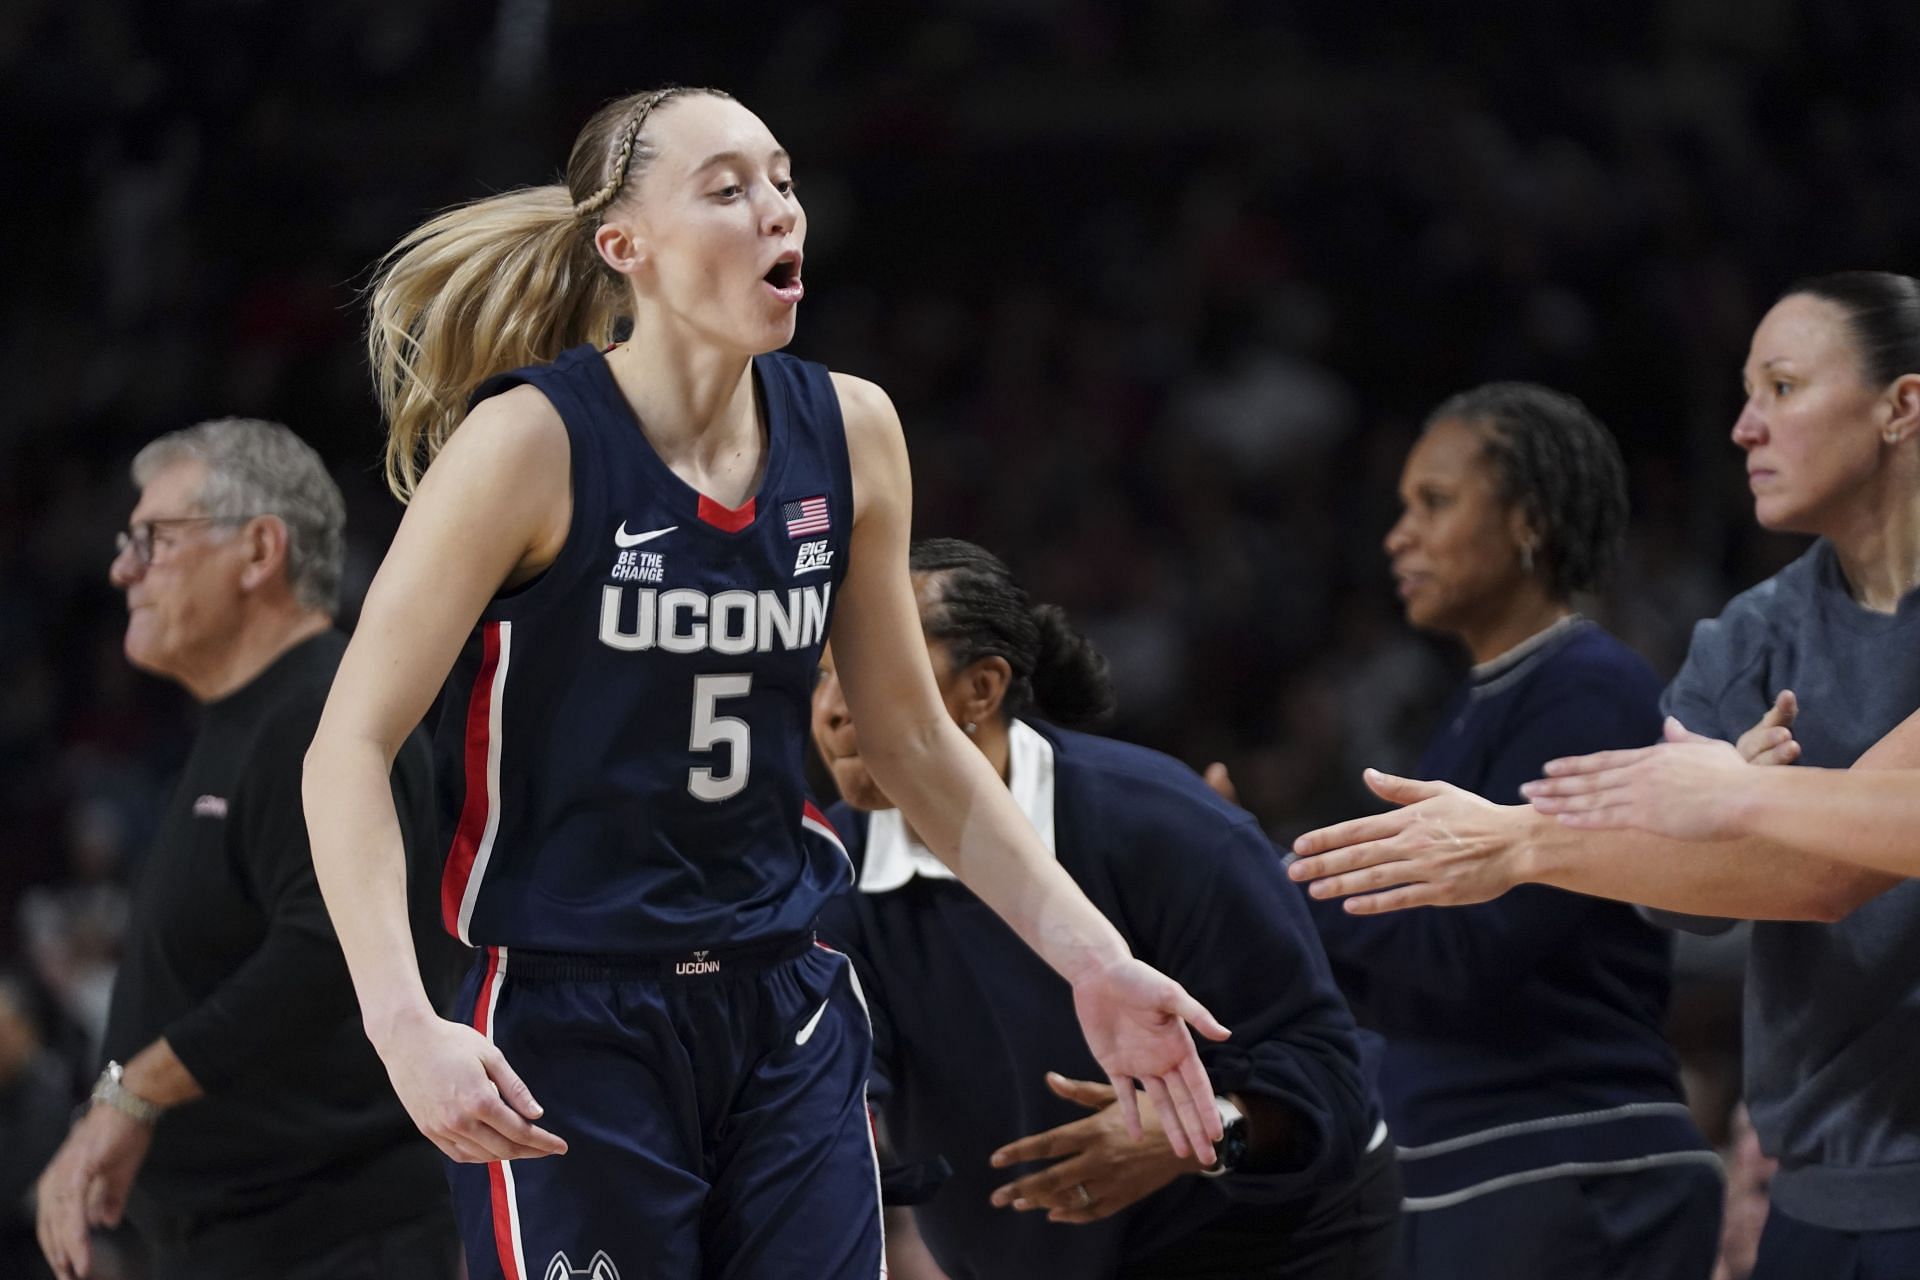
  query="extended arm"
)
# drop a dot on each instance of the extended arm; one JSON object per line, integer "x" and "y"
{"x": 484, "y": 514}
{"x": 963, "y": 811}
{"x": 1446, "y": 848}
{"x": 1692, "y": 789}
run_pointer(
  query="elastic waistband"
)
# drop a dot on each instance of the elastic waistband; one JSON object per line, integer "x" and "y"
{"x": 580, "y": 966}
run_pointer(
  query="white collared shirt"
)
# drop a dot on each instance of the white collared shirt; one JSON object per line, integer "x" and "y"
{"x": 894, "y": 856}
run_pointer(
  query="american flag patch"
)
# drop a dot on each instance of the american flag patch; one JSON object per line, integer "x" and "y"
{"x": 805, "y": 517}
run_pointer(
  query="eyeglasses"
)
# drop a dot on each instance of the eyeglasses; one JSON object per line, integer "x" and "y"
{"x": 140, "y": 536}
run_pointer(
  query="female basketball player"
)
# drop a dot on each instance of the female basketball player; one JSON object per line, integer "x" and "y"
{"x": 1831, "y": 433}
{"x": 629, "y": 562}
{"x": 1526, "y": 1077}
{"x": 974, "y": 1039}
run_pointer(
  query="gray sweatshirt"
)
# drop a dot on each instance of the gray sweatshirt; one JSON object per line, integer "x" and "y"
{"x": 1832, "y": 1011}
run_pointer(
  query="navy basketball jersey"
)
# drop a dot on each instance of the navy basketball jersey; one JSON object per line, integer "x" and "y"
{"x": 619, "y": 743}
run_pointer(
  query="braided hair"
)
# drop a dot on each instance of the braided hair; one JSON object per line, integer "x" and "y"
{"x": 497, "y": 283}
{"x": 973, "y": 604}
{"x": 1555, "y": 461}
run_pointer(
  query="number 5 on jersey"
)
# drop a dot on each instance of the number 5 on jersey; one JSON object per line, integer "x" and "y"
{"x": 710, "y": 730}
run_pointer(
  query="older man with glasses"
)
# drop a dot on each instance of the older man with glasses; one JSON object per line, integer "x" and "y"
{"x": 243, "y": 1121}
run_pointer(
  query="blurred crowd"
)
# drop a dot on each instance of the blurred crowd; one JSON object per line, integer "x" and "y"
{"x": 1162, "y": 289}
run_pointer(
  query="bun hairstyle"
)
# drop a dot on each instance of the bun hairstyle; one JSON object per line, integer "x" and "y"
{"x": 1883, "y": 315}
{"x": 1555, "y": 461}
{"x": 498, "y": 283}
{"x": 975, "y": 606}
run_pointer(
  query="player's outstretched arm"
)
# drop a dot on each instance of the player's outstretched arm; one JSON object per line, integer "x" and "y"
{"x": 1134, "y": 1017}
{"x": 1696, "y": 789}
{"x": 1447, "y": 847}
{"x": 484, "y": 513}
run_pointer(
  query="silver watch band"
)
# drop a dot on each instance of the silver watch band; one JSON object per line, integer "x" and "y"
{"x": 109, "y": 1090}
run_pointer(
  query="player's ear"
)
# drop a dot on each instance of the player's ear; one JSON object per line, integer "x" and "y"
{"x": 622, "y": 245}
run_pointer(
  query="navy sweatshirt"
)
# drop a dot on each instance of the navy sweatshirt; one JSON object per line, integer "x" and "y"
{"x": 1541, "y": 1008}
{"x": 967, "y": 1020}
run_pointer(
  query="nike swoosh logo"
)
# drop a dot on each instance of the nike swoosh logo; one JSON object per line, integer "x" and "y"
{"x": 623, "y": 539}
{"x": 806, "y": 1032}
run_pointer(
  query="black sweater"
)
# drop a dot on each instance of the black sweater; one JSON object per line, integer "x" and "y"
{"x": 1523, "y": 1035}
{"x": 231, "y": 957}
{"x": 967, "y": 1020}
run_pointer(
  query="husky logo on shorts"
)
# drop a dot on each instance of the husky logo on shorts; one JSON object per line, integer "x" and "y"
{"x": 599, "y": 1268}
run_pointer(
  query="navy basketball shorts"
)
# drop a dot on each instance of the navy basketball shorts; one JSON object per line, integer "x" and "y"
{"x": 714, "y": 1109}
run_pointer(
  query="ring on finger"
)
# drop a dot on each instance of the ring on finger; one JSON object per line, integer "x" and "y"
{"x": 1086, "y": 1197}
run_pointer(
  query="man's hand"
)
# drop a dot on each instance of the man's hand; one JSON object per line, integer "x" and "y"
{"x": 462, "y": 1094}
{"x": 1100, "y": 1168}
{"x": 86, "y": 1186}
{"x": 1686, "y": 788}
{"x": 1445, "y": 848}
{"x": 1135, "y": 1019}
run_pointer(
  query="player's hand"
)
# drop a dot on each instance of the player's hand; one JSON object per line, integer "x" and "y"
{"x": 1101, "y": 1168}
{"x": 462, "y": 1094}
{"x": 86, "y": 1185}
{"x": 1135, "y": 1019}
{"x": 1445, "y": 848}
{"x": 1771, "y": 739}
{"x": 1686, "y": 788}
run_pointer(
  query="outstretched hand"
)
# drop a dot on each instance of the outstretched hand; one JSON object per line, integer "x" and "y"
{"x": 1686, "y": 788}
{"x": 1135, "y": 1019}
{"x": 1444, "y": 848}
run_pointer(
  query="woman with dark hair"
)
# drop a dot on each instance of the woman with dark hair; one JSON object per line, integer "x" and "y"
{"x": 976, "y": 1060}
{"x": 1831, "y": 434}
{"x": 621, "y": 562}
{"x": 1527, "y": 1080}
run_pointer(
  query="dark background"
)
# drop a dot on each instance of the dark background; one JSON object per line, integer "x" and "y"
{"x": 1161, "y": 289}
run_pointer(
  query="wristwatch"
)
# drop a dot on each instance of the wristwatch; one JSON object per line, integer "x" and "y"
{"x": 109, "y": 1090}
{"x": 1231, "y": 1151}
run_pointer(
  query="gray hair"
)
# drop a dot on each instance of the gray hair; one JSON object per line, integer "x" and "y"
{"x": 257, "y": 468}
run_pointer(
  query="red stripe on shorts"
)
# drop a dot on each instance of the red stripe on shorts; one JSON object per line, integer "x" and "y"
{"x": 473, "y": 809}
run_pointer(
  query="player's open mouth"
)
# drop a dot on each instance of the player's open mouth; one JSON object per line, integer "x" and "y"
{"x": 784, "y": 279}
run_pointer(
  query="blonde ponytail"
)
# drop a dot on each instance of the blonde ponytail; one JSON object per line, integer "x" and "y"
{"x": 481, "y": 289}
{"x": 503, "y": 282}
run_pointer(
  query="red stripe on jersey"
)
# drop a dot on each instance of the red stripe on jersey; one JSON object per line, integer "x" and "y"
{"x": 811, "y": 819}
{"x": 473, "y": 810}
{"x": 726, "y": 519}
{"x": 811, "y": 810}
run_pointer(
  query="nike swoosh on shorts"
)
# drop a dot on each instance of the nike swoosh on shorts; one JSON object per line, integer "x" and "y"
{"x": 806, "y": 1032}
